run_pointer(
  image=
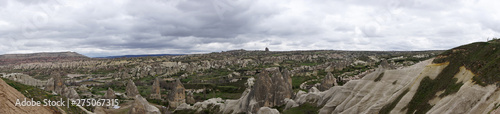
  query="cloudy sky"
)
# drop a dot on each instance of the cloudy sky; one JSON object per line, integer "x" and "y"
{"x": 119, "y": 27}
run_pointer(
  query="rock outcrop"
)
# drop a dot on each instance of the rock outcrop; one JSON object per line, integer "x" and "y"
{"x": 25, "y": 79}
{"x": 70, "y": 93}
{"x": 142, "y": 106}
{"x": 328, "y": 82}
{"x": 366, "y": 95}
{"x": 190, "y": 98}
{"x": 177, "y": 95}
{"x": 397, "y": 89}
{"x": 267, "y": 110}
{"x": 272, "y": 87}
{"x": 131, "y": 89}
{"x": 155, "y": 90}
{"x": 57, "y": 86}
{"x": 110, "y": 94}
{"x": 9, "y": 96}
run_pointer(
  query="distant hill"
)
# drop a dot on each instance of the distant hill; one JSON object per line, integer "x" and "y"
{"x": 145, "y": 55}
{"x": 40, "y": 57}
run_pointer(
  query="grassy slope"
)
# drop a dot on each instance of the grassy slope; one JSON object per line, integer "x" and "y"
{"x": 39, "y": 95}
{"x": 482, "y": 58}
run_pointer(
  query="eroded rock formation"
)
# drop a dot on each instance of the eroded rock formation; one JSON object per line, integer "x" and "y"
{"x": 56, "y": 85}
{"x": 328, "y": 82}
{"x": 155, "y": 91}
{"x": 131, "y": 89}
{"x": 110, "y": 94}
{"x": 142, "y": 106}
{"x": 177, "y": 95}
{"x": 271, "y": 88}
{"x": 190, "y": 98}
{"x": 396, "y": 90}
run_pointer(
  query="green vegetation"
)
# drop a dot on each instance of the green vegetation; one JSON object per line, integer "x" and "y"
{"x": 427, "y": 91}
{"x": 413, "y": 59}
{"x": 297, "y": 80}
{"x": 144, "y": 90}
{"x": 308, "y": 63}
{"x": 158, "y": 102}
{"x": 201, "y": 96}
{"x": 496, "y": 107}
{"x": 117, "y": 86}
{"x": 198, "y": 85}
{"x": 42, "y": 77}
{"x": 40, "y": 95}
{"x": 223, "y": 90}
{"x": 482, "y": 58}
{"x": 305, "y": 108}
{"x": 387, "y": 108}
{"x": 104, "y": 71}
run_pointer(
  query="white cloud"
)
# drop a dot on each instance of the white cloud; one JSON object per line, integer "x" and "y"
{"x": 119, "y": 27}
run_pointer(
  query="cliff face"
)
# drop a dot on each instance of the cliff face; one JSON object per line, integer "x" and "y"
{"x": 8, "y": 97}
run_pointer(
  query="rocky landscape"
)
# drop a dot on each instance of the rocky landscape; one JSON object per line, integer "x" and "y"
{"x": 9, "y": 96}
{"x": 236, "y": 81}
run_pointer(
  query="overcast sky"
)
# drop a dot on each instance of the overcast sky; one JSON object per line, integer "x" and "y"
{"x": 119, "y": 27}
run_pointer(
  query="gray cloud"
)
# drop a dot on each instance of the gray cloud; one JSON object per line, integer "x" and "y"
{"x": 118, "y": 27}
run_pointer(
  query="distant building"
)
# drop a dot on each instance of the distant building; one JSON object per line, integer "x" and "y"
{"x": 267, "y": 49}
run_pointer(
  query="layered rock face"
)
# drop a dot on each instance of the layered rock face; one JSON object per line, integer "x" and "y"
{"x": 367, "y": 95}
{"x": 131, "y": 89}
{"x": 177, "y": 95}
{"x": 9, "y": 96}
{"x": 396, "y": 92}
{"x": 155, "y": 94}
